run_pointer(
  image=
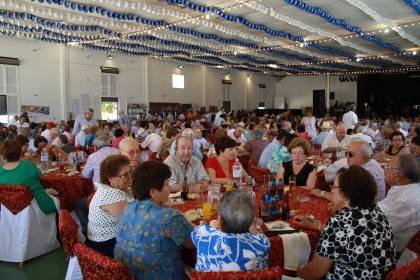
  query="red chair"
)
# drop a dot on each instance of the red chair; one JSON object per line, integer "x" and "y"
{"x": 410, "y": 271}
{"x": 96, "y": 266}
{"x": 316, "y": 149}
{"x": 68, "y": 233}
{"x": 414, "y": 244}
{"x": 258, "y": 173}
{"x": 273, "y": 273}
{"x": 321, "y": 183}
{"x": 68, "y": 229}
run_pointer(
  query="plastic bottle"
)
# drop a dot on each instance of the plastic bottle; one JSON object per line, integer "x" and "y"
{"x": 237, "y": 172}
{"x": 44, "y": 160}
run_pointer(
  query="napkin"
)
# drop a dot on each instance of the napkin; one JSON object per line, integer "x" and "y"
{"x": 296, "y": 249}
{"x": 175, "y": 195}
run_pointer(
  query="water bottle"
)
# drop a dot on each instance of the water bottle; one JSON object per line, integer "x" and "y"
{"x": 237, "y": 172}
{"x": 44, "y": 160}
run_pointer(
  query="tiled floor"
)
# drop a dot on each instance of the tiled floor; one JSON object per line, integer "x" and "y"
{"x": 52, "y": 266}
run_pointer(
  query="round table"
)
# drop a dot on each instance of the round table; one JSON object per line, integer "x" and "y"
{"x": 70, "y": 188}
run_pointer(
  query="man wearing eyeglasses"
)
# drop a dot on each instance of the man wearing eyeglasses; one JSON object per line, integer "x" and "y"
{"x": 359, "y": 153}
{"x": 130, "y": 148}
{"x": 402, "y": 204}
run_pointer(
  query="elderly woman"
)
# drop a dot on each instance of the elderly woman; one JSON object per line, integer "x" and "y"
{"x": 220, "y": 167}
{"x": 233, "y": 247}
{"x": 111, "y": 197}
{"x": 150, "y": 236}
{"x": 397, "y": 145}
{"x": 299, "y": 167}
{"x": 22, "y": 172}
{"x": 357, "y": 242}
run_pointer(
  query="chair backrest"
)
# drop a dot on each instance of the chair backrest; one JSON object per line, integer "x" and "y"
{"x": 273, "y": 273}
{"x": 153, "y": 156}
{"x": 96, "y": 266}
{"x": 321, "y": 183}
{"x": 15, "y": 197}
{"x": 414, "y": 244}
{"x": 410, "y": 271}
{"x": 68, "y": 232}
{"x": 258, "y": 173}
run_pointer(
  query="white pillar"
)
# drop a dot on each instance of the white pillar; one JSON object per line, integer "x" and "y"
{"x": 204, "y": 84}
{"x": 64, "y": 82}
{"x": 247, "y": 79}
{"x": 146, "y": 82}
{"x": 327, "y": 94}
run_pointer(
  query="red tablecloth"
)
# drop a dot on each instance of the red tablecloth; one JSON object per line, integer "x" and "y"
{"x": 318, "y": 207}
{"x": 69, "y": 188}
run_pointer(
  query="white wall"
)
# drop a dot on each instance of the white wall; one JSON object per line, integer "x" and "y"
{"x": 298, "y": 90}
{"x": 53, "y": 75}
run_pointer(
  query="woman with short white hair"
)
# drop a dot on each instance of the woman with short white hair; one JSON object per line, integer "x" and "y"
{"x": 233, "y": 247}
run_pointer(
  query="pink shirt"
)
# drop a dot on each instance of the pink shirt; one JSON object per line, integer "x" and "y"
{"x": 116, "y": 142}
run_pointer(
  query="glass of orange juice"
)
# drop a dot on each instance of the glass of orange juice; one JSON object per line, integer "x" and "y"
{"x": 206, "y": 210}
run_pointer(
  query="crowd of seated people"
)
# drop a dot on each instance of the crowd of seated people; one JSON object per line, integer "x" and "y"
{"x": 136, "y": 164}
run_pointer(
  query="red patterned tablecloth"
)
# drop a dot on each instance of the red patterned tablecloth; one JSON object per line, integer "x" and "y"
{"x": 315, "y": 206}
{"x": 69, "y": 188}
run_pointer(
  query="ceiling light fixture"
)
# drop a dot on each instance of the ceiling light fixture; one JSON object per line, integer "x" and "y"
{"x": 414, "y": 52}
{"x": 207, "y": 16}
{"x": 386, "y": 30}
{"x": 180, "y": 66}
{"x": 109, "y": 56}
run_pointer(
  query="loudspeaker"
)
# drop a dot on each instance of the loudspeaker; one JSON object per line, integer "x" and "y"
{"x": 226, "y": 105}
{"x": 319, "y": 102}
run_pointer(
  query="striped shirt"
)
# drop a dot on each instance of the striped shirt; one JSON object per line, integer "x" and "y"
{"x": 194, "y": 172}
{"x": 378, "y": 173}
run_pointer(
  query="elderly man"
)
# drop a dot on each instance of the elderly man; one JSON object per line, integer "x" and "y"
{"x": 256, "y": 145}
{"x": 130, "y": 148}
{"x": 103, "y": 149}
{"x": 334, "y": 143}
{"x": 80, "y": 139}
{"x": 185, "y": 168}
{"x": 153, "y": 141}
{"x": 402, "y": 204}
{"x": 270, "y": 148}
{"x": 86, "y": 119}
{"x": 188, "y": 132}
{"x": 359, "y": 153}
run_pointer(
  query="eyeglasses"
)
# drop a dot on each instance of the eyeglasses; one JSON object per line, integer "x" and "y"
{"x": 126, "y": 175}
{"x": 335, "y": 187}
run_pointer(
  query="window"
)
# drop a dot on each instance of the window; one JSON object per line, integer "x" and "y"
{"x": 109, "y": 100}
{"x": 109, "y": 108}
{"x": 177, "y": 81}
{"x": 8, "y": 93}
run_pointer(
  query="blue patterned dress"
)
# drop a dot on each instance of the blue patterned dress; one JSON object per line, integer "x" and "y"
{"x": 220, "y": 251}
{"x": 149, "y": 239}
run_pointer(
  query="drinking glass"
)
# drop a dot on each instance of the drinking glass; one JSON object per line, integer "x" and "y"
{"x": 213, "y": 196}
{"x": 292, "y": 183}
{"x": 206, "y": 210}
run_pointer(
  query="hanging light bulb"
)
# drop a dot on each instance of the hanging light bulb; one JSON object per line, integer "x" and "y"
{"x": 386, "y": 30}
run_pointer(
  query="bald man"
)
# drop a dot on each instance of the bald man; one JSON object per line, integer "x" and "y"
{"x": 336, "y": 142}
{"x": 130, "y": 148}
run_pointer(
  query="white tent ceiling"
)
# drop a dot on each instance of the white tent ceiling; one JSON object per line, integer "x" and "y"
{"x": 271, "y": 36}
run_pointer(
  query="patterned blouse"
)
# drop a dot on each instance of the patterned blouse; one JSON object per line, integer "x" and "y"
{"x": 359, "y": 241}
{"x": 280, "y": 155}
{"x": 220, "y": 251}
{"x": 149, "y": 239}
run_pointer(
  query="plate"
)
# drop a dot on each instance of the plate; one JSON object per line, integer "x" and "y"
{"x": 276, "y": 225}
{"x": 193, "y": 215}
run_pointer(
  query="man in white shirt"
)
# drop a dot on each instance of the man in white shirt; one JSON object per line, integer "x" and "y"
{"x": 402, "y": 204}
{"x": 14, "y": 120}
{"x": 80, "y": 139}
{"x": 152, "y": 142}
{"x": 350, "y": 119}
{"x": 334, "y": 143}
